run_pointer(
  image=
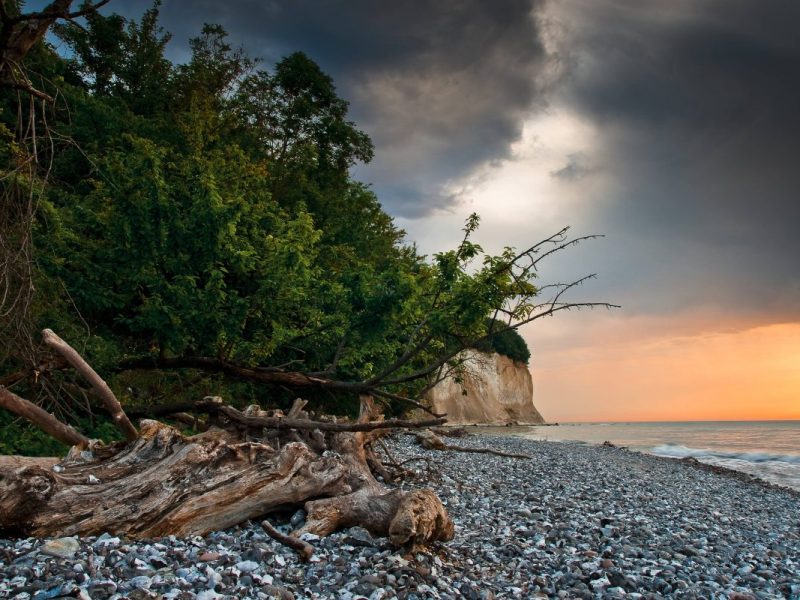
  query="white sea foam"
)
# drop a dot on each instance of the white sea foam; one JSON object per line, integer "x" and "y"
{"x": 782, "y": 469}
{"x": 769, "y": 450}
{"x": 679, "y": 451}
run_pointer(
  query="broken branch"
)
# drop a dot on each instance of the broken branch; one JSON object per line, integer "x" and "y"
{"x": 110, "y": 401}
{"x": 306, "y": 424}
{"x": 41, "y": 418}
{"x": 430, "y": 441}
{"x": 303, "y": 549}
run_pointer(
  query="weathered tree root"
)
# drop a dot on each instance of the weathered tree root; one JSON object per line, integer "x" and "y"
{"x": 167, "y": 484}
{"x": 407, "y": 518}
{"x": 161, "y": 483}
{"x": 164, "y": 484}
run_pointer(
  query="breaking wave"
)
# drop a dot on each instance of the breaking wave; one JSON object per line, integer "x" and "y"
{"x": 678, "y": 451}
{"x": 781, "y": 469}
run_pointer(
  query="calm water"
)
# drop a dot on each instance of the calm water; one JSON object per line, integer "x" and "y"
{"x": 767, "y": 449}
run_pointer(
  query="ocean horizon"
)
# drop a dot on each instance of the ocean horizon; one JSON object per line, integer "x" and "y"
{"x": 767, "y": 449}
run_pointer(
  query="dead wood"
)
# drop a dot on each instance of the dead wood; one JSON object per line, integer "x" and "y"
{"x": 20, "y": 462}
{"x": 454, "y": 432}
{"x": 269, "y": 375}
{"x": 303, "y": 549}
{"x": 36, "y": 372}
{"x": 430, "y": 441}
{"x": 412, "y": 518}
{"x": 41, "y": 418}
{"x": 164, "y": 483}
{"x": 287, "y": 423}
{"x": 297, "y": 408}
{"x": 98, "y": 384}
{"x": 160, "y": 410}
{"x": 19, "y": 32}
{"x": 190, "y": 420}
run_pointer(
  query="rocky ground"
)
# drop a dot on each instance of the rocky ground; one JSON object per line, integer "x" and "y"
{"x": 575, "y": 521}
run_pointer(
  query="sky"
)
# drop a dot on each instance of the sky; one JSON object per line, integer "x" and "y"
{"x": 670, "y": 127}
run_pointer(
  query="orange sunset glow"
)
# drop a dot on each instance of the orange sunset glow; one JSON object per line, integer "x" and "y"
{"x": 750, "y": 374}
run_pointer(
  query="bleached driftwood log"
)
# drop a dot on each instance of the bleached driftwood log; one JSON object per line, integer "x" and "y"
{"x": 163, "y": 483}
{"x": 160, "y": 482}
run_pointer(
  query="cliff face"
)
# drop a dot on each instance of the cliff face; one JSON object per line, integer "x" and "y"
{"x": 498, "y": 391}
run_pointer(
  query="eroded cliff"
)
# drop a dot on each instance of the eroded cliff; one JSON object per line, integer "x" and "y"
{"x": 498, "y": 390}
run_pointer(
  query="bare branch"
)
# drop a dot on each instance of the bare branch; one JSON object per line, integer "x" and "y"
{"x": 430, "y": 441}
{"x": 58, "y": 9}
{"x": 304, "y": 550}
{"x": 285, "y": 423}
{"x": 27, "y": 87}
{"x": 98, "y": 384}
{"x": 403, "y": 359}
{"x": 86, "y": 11}
{"x": 41, "y": 418}
{"x": 404, "y": 399}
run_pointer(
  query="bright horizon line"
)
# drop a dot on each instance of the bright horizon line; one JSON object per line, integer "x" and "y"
{"x": 674, "y": 421}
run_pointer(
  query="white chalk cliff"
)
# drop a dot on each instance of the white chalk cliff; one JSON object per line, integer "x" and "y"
{"x": 498, "y": 390}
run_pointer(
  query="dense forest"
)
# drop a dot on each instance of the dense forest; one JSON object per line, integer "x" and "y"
{"x": 193, "y": 229}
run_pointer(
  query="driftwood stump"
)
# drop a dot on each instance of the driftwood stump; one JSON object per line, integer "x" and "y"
{"x": 164, "y": 483}
{"x": 160, "y": 482}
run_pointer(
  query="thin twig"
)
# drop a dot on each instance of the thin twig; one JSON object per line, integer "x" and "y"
{"x": 304, "y": 550}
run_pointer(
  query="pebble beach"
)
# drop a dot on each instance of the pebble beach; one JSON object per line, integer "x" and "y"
{"x": 574, "y": 521}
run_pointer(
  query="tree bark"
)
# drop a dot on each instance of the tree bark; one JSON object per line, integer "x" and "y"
{"x": 408, "y": 518}
{"x": 287, "y": 422}
{"x": 21, "y": 32}
{"x": 164, "y": 483}
{"x": 270, "y": 376}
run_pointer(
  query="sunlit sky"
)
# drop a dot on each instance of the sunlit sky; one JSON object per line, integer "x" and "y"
{"x": 670, "y": 127}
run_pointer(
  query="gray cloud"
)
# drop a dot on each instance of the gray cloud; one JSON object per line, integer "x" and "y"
{"x": 697, "y": 105}
{"x": 577, "y": 168}
{"x": 441, "y": 87}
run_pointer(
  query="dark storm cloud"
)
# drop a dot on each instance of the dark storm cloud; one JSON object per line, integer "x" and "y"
{"x": 441, "y": 87}
{"x": 698, "y": 105}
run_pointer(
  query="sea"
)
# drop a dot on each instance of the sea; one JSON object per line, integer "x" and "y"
{"x": 769, "y": 450}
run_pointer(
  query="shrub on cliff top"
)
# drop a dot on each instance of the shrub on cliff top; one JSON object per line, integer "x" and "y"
{"x": 508, "y": 343}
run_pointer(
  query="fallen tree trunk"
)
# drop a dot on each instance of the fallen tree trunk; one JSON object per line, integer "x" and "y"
{"x": 164, "y": 483}
{"x": 160, "y": 482}
{"x": 268, "y": 375}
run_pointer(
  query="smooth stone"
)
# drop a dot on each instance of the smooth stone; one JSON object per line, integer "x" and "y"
{"x": 65, "y": 547}
{"x": 247, "y": 566}
{"x": 298, "y": 518}
{"x": 208, "y": 556}
{"x": 358, "y": 536}
{"x": 140, "y": 581}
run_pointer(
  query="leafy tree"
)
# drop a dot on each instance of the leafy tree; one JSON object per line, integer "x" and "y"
{"x": 201, "y": 220}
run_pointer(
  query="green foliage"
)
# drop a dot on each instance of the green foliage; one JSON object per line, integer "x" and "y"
{"x": 207, "y": 210}
{"x": 17, "y": 436}
{"x": 508, "y": 343}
